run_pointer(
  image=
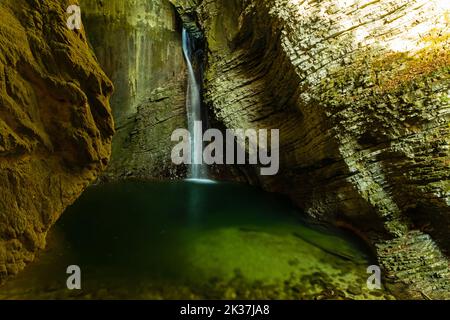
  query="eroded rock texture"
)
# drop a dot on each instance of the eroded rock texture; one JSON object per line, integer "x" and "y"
{"x": 55, "y": 123}
{"x": 360, "y": 92}
{"x": 138, "y": 44}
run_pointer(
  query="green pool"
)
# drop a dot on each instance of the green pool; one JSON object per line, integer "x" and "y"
{"x": 193, "y": 240}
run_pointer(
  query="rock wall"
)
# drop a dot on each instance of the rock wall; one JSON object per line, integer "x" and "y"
{"x": 138, "y": 44}
{"x": 55, "y": 123}
{"x": 360, "y": 92}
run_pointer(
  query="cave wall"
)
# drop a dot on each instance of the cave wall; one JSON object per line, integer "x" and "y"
{"x": 55, "y": 123}
{"x": 138, "y": 44}
{"x": 359, "y": 91}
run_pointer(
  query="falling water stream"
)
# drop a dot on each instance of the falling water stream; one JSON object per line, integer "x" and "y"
{"x": 194, "y": 113}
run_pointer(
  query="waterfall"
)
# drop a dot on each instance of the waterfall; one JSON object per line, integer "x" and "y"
{"x": 194, "y": 113}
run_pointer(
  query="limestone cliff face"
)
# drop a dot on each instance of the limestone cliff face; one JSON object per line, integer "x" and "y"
{"x": 138, "y": 44}
{"x": 55, "y": 123}
{"x": 360, "y": 93}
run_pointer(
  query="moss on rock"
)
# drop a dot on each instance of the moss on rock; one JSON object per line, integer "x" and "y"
{"x": 55, "y": 124}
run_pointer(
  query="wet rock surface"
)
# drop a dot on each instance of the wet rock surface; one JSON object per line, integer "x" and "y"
{"x": 411, "y": 256}
{"x": 138, "y": 44}
{"x": 55, "y": 124}
{"x": 143, "y": 156}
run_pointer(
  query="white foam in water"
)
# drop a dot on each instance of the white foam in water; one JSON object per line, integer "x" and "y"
{"x": 202, "y": 181}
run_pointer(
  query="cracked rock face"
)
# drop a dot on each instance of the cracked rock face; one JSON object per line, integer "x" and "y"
{"x": 55, "y": 124}
{"x": 360, "y": 93}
